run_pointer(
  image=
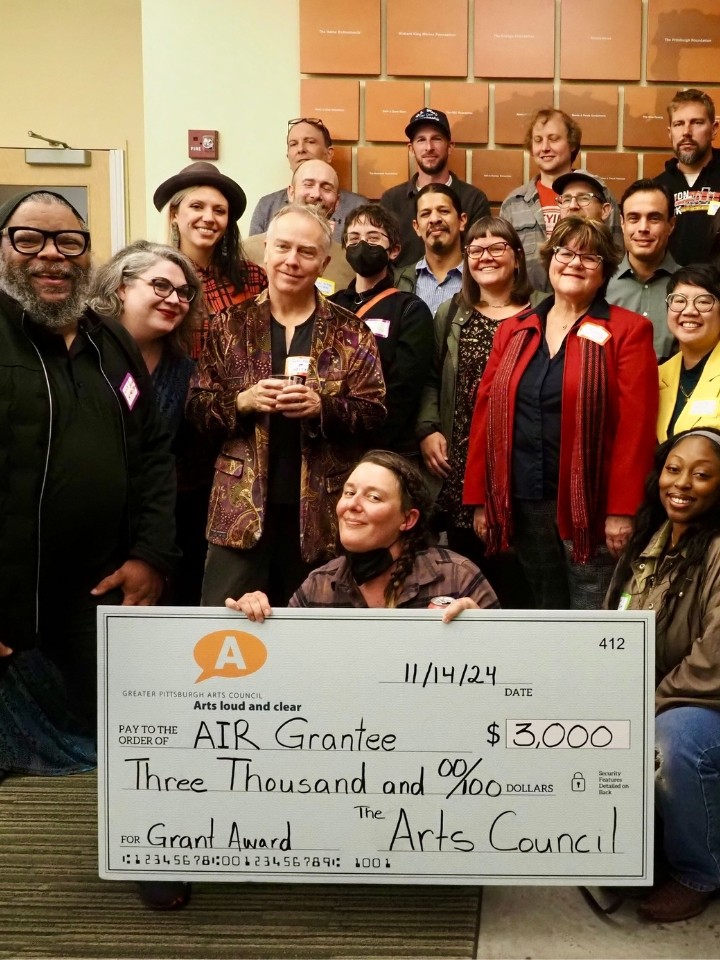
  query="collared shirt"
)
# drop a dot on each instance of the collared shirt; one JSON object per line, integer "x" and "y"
{"x": 436, "y": 572}
{"x": 433, "y": 292}
{"x": 538, "y": 419}
{"x": 646, "y": 297}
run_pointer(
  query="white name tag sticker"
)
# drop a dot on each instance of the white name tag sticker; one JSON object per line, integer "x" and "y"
{"x": 130, "y": 390}
{"x": 381, "y": 328}
{"x": 325, "y": 286}
{"x": 297, "y": 366}
{"x": 704, "y": 408}
{"x": 713, "y": 207}
{"x": 594, "y": 332}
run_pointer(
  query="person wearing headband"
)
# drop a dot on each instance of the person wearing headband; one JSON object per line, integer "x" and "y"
{"x": 690, "y": 380}
{"x": 672, "y": 566}
{"x": 384, "y": 515}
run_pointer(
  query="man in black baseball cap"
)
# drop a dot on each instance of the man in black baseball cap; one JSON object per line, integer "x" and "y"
{"x": 430, "y": 145}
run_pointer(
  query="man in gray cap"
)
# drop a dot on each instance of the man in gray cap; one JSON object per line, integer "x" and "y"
{"x": 430, "y": 145}
{"x": 86, "y": 481}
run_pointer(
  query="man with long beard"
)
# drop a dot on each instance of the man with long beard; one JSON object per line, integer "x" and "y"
{"x": 692, "y": 176}
{"x": 86, "y": 485}
{"x": 430, "y": 145}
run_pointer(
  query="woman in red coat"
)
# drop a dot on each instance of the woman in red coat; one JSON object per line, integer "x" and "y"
{"x": 562, "y": 435}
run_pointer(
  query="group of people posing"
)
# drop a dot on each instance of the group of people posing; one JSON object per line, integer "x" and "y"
{"x": 373, "y": 404}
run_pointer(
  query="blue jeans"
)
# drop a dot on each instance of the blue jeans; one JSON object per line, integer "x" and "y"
{"x": 687, "y": 793}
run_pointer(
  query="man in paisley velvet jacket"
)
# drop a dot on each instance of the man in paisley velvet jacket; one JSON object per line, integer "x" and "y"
{"x": 287, "y": 446}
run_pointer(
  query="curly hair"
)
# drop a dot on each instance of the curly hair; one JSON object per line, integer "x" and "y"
{"x": 414, "y": 495}
{"x": 651, "y": 516}
{"x": 129, "y": 263}
{"x": 228, "y": 260}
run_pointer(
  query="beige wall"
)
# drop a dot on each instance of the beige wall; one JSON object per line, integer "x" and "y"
{"x": 226, "y": 65}
{"x": 72, "y": 70}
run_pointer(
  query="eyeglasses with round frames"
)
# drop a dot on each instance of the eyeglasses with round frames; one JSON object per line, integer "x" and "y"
{"x": 703, "y": 302}
{"x": 163, "y": 288}
{"x": 591, "y": 261}
{"x": 582, "y": 199}
{"x": 374, "y": 239}
{"x": 495, "y": 250}
{"x": 31, "y": 240}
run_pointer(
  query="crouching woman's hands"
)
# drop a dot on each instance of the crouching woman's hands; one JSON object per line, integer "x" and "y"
{"x": 255, "y": 605}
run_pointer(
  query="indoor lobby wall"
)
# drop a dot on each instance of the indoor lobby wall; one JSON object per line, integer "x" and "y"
{"x": 225, "y": 65}
{"x": 489, "y": 64}
{"x": 72, "y": 71}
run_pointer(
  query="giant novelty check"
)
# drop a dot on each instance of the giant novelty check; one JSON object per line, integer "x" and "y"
{"x": 362, "y": 746}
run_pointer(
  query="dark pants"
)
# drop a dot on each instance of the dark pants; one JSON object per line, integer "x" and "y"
{"x": 68, "y": 637}
{"x": 274, "y": 565}
{"x": 557, "y": 583}
{"x": 503, "y": 571}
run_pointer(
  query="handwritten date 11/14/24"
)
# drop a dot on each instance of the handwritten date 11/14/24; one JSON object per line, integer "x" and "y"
{"x": 432, "y": 673}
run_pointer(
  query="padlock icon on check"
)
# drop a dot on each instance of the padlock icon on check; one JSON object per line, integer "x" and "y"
{"x": 578, "y": 783}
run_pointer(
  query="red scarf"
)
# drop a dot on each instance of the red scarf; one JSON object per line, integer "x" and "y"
{"x": 586, "y": 459}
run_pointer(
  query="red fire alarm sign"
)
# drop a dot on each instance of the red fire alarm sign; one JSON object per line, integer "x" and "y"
{"x": 203, "y": 144}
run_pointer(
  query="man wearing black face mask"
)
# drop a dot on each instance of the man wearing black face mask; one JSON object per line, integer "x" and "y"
{"x": 402, "y": 323}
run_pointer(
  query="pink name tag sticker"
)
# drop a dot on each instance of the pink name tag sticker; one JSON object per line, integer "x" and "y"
{"x": 130, "y": 390}
{"x": 594, "y": 332}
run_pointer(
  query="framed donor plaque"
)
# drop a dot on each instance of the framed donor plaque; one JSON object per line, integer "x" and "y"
{"x": 684, "y": 42}
{"x": 600, "y": 41}
{"x": 340, "y": 37}
{"x": 376, "y": 746}
{"x": 421, "y": 43}
{"x": 618, "y": 170}
{"x": 389, "y": 106}
{"x": 466, "y": 106}
{"x": 595, "y": 107}
{"x": 645, "y": 121}
{"x": 336, "y": 102}
{"x": 380, "y": 168}
{"x": 514, "y": 39}
{"x": 497, "y": 172}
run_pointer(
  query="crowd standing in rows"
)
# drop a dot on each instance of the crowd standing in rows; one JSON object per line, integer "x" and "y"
{"x": 506, "y": 367}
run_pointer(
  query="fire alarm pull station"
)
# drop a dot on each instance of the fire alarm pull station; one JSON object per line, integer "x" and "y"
{"x": 203, "y": 144}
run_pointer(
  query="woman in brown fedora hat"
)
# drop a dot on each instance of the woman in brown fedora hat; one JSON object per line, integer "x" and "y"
{"x": 203, "y": 207}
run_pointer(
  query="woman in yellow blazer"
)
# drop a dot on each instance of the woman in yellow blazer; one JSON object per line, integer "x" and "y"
{"x": 690, "y": 381}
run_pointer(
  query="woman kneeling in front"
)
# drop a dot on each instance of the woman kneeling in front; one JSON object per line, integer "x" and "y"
{"x": 384, "y": 522}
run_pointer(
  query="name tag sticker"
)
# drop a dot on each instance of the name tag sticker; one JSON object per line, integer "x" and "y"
{"x": 594, "y": 332}
{"x": 704, "y": 408}
{"x": 713, "y": 207}
{"x": 625, "y": 599}
{"x": 130, "y": 390}
{"x": 325, "y": 286}
{"x": 297, "y": 366}
{"x": 380, "y": 328}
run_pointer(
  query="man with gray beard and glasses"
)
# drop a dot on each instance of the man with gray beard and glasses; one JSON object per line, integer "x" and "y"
{"x": 86, "y": 485}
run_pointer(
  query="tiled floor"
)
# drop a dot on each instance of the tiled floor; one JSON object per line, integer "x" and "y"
{"x": 555, "y": 922}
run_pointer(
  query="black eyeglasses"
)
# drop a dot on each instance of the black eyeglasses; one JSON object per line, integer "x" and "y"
{"x": 163, "y": 288}
{"x": 30, "y": 240}
{"x": 314, "y": 122}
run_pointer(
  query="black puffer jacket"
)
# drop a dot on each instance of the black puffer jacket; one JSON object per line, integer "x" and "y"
{"x": 25, "y": 417}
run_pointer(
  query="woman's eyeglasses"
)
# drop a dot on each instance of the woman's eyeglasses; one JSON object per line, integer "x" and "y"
{"x": 703, "y": 302}
{"x": 163, "y": 288}
{"x": 495, "y": 250}
{"x": 591, "y": 261}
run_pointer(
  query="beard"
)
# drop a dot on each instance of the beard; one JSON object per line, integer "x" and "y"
{"x": 15, "y": 280}
{"x": 431, "y": 167}
{"x": 689, "y": 153}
